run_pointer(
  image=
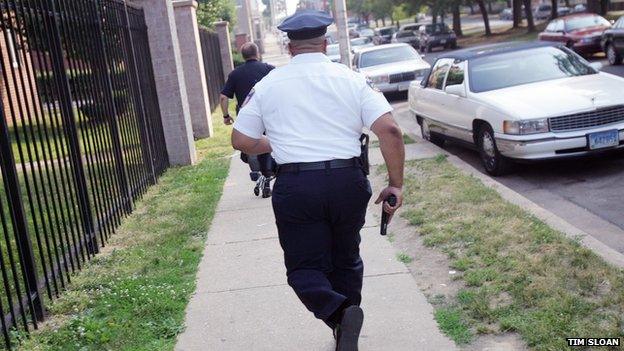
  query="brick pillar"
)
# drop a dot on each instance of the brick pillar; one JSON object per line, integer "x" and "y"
{"x": 225, "y": 47}
{"x": 170, "y": 84}
{"x": 193, "y": 63}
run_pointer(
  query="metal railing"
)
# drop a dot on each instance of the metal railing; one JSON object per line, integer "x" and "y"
{"x": 80, "y": 140}
{"x": 215, "y": 79}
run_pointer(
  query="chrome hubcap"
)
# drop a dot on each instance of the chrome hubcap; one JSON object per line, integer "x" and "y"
{"x": 488, "y": 145}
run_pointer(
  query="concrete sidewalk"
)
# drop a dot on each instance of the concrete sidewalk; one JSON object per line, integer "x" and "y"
{"x": 242, "y": 301}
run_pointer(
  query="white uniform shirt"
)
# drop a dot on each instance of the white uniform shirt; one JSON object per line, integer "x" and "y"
{"x": 311, "y": 110}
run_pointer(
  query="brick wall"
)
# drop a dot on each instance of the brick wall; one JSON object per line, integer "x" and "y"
{"x": 20, "y": 91}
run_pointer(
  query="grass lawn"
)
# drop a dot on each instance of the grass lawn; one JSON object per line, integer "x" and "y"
{"x": 133, "y": 295}
{"x": 518, "y": 274}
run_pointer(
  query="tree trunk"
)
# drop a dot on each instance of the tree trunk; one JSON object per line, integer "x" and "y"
{"x": 434, "y": 16}
{"x": 471, "y": 8}
{"x": 529, "y": 16}
{"x": 567, "y": 2}
{"x": 457, "y": 20}
{"x": 489, "y": 3}
{"x": 517, "y": 13}
{"x": 509, "y": 3}
{"x": 486, "y": 20}
{"x": 553, "y": 13}
{"x": 383, "y": 21}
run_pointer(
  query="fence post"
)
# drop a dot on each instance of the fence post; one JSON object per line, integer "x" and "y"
{"x": 169, "y": 77}
{"x": 18, "y": 218}
{"x": 193, "y": 63}
{"x": 225, "y": 47}
{"x": 69, "y": 122}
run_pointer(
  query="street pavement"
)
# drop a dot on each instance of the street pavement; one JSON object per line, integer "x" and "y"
{"x": 586, "y": 192}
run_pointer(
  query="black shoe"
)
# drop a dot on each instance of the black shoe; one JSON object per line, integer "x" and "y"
{"x": 348, "y": 331}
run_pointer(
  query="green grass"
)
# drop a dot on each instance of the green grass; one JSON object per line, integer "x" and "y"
{"x": 405, "y": 258}
{"x": 519, "y": 274}
{"x": 451, "y": 323}
{"x": 406, "y": 140}
{"x": 133, "y": 295}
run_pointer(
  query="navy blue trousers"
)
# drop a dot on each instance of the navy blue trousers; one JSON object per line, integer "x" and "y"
{"x": 319, "y": 215}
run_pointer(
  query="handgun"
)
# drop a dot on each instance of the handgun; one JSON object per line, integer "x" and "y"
{"x": 392, "y": 201}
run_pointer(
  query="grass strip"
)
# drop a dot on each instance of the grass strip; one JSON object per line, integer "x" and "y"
{"x": 518, "y": 273}
{"x": 133, "y": 295}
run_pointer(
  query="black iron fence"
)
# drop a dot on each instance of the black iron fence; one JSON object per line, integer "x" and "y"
{"x": 213, "y": 66}
{"x": 80, "y": 140}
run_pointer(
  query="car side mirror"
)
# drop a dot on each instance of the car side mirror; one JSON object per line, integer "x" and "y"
{"x": 456, "y": 89}
{"x": 596, "y": 65}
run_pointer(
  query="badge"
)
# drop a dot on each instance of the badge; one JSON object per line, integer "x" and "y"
{"x": 249, "y": 96}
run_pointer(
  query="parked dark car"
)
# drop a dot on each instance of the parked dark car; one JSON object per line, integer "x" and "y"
{"x": 408, "y": 37}
{"x": 507, "y": 14}
{"x": 563, "y": 11}
{"x": 436, "y": 35}
{"x": 580, "y": 32}
{"x": 384, "y": 35}
{"x": 613, "y": 42}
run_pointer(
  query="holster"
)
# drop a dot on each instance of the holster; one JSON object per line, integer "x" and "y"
{"x": 364, "y": 140}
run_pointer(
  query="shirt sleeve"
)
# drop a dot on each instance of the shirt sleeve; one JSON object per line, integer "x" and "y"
{"x": 228, "y": 88}
{"x": 249, "y": 121}
{"x": 373, "y": 105}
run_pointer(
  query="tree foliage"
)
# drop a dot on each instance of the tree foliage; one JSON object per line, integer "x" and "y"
{"x": 210, "y": 11}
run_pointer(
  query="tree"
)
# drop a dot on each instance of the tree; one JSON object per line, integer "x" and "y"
{"x": 457, "y": 18}
{"x": 517, "y": 12}
{"x": 486, "y": 20}
{"x": 553, "y": 12}
{"x": 529, "y": 15}
{"x": 382, "y": 9}
{"x": 210, "y": 11}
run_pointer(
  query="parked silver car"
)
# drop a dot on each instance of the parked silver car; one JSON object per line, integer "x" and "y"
{"x": 391, "y": 67}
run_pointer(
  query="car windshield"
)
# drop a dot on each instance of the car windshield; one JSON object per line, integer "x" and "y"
{"x": 585, "y": 22}
{"x": 386, "y": 31}
{"x": 389, "y": 55}
{"x": 405, "y": 34}
{"x": 544, "y": 8}
{"x": 360, "y": 41}
{"x": 524, "y": 67}
{"x": 367, "y": 32}
{"x": 332, "y": 50}
{"x": 439, "y": 28}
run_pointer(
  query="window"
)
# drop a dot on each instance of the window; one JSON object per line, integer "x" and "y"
{"x": 455, "y": 74}
{"x": 576, "y": 23}
{"x": 551, "y": 26}
{"x": 437, "y": 75}
{"x": 620, "y": 23}
{"x": 388, "y": 55}
{"x": 559, "y": 26}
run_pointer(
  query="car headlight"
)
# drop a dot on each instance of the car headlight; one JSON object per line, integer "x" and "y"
{"x": 380, "y": 79}
{"x": 532, "y": 126}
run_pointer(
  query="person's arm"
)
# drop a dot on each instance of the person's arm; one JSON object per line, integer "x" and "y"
{"x": 248, "y": 145}
{"x": 393, "y": 151}
{"x": 227, "y": 93}
{"x": 224, "y": 101}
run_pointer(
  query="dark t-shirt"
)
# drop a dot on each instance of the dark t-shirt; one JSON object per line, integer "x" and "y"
{"x": 242, "y": 79}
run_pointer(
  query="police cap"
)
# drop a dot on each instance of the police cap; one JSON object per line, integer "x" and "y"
{"x": 306, "y": 24}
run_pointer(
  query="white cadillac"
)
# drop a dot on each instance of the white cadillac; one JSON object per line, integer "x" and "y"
{"x": 520, "y": 101}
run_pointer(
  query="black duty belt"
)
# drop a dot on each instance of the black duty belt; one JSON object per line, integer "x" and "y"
{"x": 315, "y": 166}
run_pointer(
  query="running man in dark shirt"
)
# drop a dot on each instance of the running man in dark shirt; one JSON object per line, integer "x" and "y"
{"x": 239, "y": 83}
{"x": 242, "y": 80}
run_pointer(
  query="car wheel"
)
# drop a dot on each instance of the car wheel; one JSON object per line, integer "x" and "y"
{"x": 430, "y": 137}
{"x": 495, "y": 164}
{"x": 613, "y": 56}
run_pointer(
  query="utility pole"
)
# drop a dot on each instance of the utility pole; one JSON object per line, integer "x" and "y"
{"x": 340, "y": 10}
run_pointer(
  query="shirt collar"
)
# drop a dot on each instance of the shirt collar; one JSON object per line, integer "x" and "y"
{"x": 313, "y": 57}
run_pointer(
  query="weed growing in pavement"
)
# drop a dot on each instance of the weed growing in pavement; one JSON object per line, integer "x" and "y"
{"x": 405, "y": 258}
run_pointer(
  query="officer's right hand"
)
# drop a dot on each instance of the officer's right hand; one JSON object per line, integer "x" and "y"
{"x": 390, "y": 190}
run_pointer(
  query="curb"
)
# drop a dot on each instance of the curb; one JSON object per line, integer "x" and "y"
{"x": 605, "y": 252}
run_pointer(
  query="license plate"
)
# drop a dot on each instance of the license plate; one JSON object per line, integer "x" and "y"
{"x": 604, "y": 139}
{"x": 443, "y": 41}
{"x": 403, "y": 87}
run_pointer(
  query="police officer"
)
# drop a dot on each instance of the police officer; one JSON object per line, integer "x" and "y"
{"x": 313, "y": 112}
{"x": 239, "y": 83}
